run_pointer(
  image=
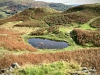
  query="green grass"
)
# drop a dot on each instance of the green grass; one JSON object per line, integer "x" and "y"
{"x": 55, "y": 68}
{"x": 69, "y": 48}
{"x": 87, "y": 25}
{"x": 65, "y": 29}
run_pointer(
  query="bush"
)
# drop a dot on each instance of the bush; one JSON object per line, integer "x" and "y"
{"x": 86, "y": 37}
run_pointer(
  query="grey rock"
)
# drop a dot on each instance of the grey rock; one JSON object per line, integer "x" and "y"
{"x": 10, "y": 69}
{"x": 85, "y": 71}
{"x": 3, "y": 70}
{"x": 15, "y": 65}
{"x": 84, "y": 68}
{"x": 2, "y": 74}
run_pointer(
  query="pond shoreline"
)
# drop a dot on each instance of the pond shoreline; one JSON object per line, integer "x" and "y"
{"x": 42, "y": 43}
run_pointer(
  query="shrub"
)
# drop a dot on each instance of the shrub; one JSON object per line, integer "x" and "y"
{"x": 86, "y": 37}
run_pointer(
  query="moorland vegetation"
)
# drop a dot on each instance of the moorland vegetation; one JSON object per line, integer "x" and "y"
{"x": 74, "y": 26}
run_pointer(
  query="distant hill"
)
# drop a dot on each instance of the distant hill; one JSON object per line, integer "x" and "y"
{"x": 10, "y": 7}
{"x": 79, "y": 14}
{"x": 86, "y": 8}
{"x": 17, "y": 1}
{"x": 59, "y": 6}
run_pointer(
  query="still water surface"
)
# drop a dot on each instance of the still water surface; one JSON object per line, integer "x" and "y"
{"x": 47, "y": 44}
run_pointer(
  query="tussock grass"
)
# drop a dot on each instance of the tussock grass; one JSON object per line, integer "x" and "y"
{"x": 55, "y": 68}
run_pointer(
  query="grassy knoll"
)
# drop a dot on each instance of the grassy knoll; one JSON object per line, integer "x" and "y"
{"x": 55, "y": 68}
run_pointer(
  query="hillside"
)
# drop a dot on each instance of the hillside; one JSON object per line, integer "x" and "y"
{"x": 77, "y": 26}
{"x": 29, "y": 14}
{"x": 91, "y": 9}
{"x": 10, "y": 7}
{"x": 79, "y": 14}
{"x": 15, "y": 0}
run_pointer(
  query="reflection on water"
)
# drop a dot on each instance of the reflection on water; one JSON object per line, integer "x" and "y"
{"x": 47, "y": 44}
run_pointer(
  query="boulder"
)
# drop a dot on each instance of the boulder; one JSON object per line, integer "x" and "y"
{"x": 15, "y": 65}
{"x": 85, "y": 71}
{"x": 8, "y": 70}
{"x": 84, "y": 68}
{"x": 3, "y": 70}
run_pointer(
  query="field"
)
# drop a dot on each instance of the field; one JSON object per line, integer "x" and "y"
{"x": 73, "y": 26}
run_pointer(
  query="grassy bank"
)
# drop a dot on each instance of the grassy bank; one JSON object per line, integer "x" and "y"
{"x": 56, "y": 68}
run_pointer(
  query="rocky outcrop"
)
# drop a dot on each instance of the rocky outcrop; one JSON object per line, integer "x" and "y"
{"x": 85, "y": 71}
{"x": 10, "y": 69}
